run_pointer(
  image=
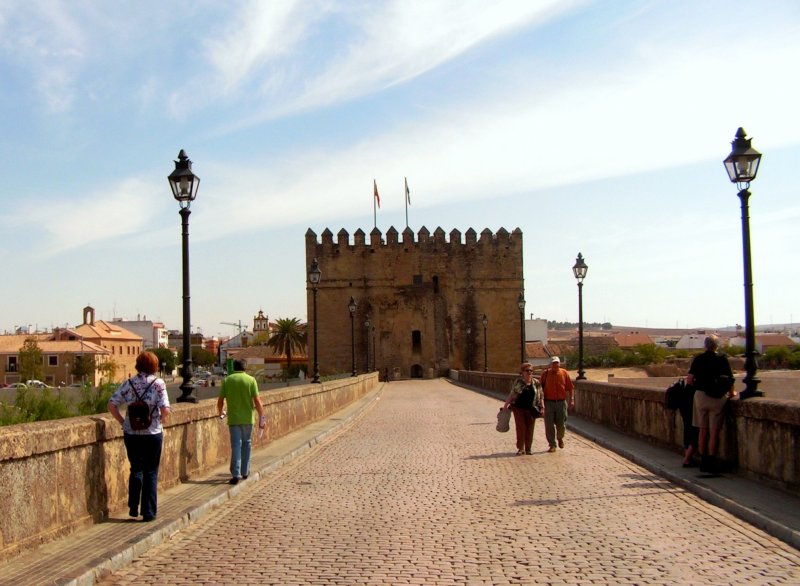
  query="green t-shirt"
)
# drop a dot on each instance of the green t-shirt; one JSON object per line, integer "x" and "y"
{"x": 238, "y": 390}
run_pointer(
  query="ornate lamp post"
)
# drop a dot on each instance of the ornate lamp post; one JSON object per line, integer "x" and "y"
{"x": 742, "y": 166}
{"x": 314, "y": 275}
{"x": 184, "y": 186}
{"x": 521, "y": 305}
{"x": 579, "y": 269}
{"x": 351, "y": 306}
{"x": 366, "y": 328}
{"x": 485, "y": 321}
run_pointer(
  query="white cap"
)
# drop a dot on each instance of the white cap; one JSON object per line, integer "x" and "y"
{"x": 555, "y": 359}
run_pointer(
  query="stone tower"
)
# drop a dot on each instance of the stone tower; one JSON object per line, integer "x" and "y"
{"x": 420, "y": 302}
{"x": 260, "y": 323}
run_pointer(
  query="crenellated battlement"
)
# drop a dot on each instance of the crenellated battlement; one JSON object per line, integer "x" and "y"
{"x": 393, "y": 238}
{"x": 420, "y": 299}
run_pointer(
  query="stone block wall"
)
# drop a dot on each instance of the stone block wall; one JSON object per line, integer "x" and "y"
{"x": 424, "y": 296}
{"x": 760, "y": 436}
{"x": 58, "y": 475}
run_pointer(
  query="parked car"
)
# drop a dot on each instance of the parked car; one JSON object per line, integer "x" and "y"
{"x": 17, "y": 386}
{"x": 37, "y": 384}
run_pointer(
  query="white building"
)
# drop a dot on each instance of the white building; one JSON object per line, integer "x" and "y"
{"x": 154, "y": 334}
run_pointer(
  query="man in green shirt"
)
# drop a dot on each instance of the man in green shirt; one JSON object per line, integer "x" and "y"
{"x": 240, "y": 390}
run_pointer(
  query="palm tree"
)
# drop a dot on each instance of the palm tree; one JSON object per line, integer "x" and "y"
{"x": 289, "y": 335}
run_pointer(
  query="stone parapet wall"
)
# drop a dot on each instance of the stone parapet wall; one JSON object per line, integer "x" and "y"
{"x": 759, "y": 436}
{"x": 58, "y": 475}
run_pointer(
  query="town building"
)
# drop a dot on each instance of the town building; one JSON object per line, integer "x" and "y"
{"x": 154, "y": 334}
{"x": 61, "y": 350}
{"x": 123, "y": 345}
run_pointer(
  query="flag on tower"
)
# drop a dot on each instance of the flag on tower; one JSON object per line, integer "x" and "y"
{"x": 408, "y": 193}
{"x": 377, "y": 197}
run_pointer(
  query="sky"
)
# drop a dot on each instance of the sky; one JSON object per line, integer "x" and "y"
{"x": 594, "y": 127}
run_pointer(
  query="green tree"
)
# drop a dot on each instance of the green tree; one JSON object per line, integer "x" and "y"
{"x": 261, "y": 339}
{"x": 31, "y": 363}
{"x": 650, "y": 353}
{"x": 166, "y": 357}
{"x": 108, "y": 370}
{"x": 202, "y": 357}
{"x": 84, "y": 368}
{"x": 289, "y": 336}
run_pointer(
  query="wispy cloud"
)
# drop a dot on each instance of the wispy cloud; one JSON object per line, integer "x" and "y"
{"x": 44, "y": 38}
{"x": 617, "y": 116}
{"x": 117, "y": 212}
{"x": 373, "y": 47}
{"x": 258, "y": 36}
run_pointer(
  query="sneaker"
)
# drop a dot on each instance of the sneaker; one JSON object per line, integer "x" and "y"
{"x": 561, "y": 444}
{"x": 244, "y": 476}
{"x": 234, "y": 480}
{"x": 528, "y": 453}
{"x": 552, "y": 449}
{"x": 520, "y": 452}
{"x": 148, "y": 518}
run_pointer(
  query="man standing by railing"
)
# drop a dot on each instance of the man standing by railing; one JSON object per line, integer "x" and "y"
{"x": 558, "y": 394}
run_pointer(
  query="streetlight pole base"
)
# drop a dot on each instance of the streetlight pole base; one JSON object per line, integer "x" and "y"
{"x": 186, "y": 394}
{"x": 751, "y": 389}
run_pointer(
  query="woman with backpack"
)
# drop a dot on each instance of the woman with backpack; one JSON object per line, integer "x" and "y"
{"x": 145, "y": 396}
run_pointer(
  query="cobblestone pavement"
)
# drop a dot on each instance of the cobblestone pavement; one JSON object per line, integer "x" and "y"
{"x": 423, "y": 490}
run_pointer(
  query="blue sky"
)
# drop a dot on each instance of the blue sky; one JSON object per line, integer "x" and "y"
{"x": 595, "y": 127}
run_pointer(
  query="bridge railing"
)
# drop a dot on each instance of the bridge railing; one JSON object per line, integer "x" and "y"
{"x": 58, "y": 475}
{"x": 760, "y": 436}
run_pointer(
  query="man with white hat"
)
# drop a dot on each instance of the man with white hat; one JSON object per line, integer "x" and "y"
{"x": 558, "y": 393}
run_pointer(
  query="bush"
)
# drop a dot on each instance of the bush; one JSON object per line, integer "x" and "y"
{"x": 95, "y": 400}
{"x": 733, "y": 350}
{"x": 37, "y": 405}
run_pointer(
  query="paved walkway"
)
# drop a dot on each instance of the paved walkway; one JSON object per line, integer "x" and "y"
{"x": 418, "y": 488}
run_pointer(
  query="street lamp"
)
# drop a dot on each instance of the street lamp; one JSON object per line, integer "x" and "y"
{"x": 742, "y": 166}
{"x": 184, "y": 186}
{"x": 314, "y": 275}
{"x": 366, "y": 327}
{"x": 352, "y": 308}
{"x": 521, "y": 305}
{"x": 485, "y": 321}
{"x": 579, "y": 269}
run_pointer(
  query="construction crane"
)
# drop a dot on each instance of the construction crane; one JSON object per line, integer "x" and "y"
{"x": 238, "y": 325}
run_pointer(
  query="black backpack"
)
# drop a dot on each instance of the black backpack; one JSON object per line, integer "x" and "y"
{"x": 672, "y": 398}
{"x": 140, "y": 414}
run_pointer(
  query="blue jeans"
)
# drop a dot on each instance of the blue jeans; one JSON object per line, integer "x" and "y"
{"x": 144, "y": 455}
{"x": 241, "y": 442}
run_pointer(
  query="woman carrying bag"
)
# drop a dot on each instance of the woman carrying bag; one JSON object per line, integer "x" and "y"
{"x": 526, "y": 402}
